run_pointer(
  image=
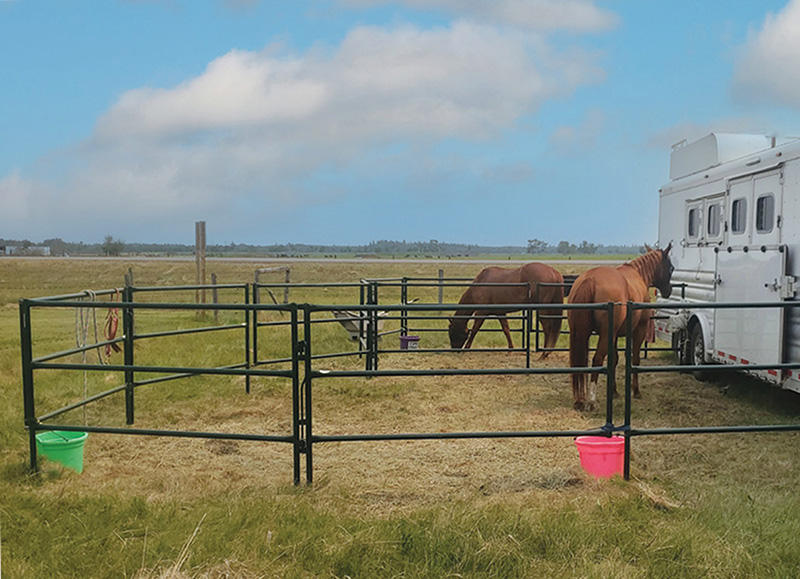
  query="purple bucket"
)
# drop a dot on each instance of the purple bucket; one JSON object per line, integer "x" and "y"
{"x": 409, "y": 342}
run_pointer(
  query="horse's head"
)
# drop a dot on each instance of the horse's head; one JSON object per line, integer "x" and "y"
{"x": 458, "y": 332}
{"x": 662, "y": 278}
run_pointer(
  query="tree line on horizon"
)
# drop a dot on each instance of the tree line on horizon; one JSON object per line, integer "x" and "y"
{"x": 111, "y": 246}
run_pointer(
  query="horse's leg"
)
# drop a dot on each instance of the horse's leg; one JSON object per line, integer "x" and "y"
{"x": 579, "y": 332}
{"x": 476, "y": 325}
{"x": 504, "y": 324}
{"x": 600, "y": 354}
{"x": 579, "y": 390}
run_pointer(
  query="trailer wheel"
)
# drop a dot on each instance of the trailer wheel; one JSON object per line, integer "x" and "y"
{"x": 697, "y": 349}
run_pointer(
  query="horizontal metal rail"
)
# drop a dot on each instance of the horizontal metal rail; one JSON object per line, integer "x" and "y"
{"x": 172, "y": 433}
{"x": 714, "y": 429}
{"x": 221, "y": 371}
{"x": 457, "y": 435}
{"x": 83, "y": 402}
{"x": 193, "y": 287}
{"x": 46, "y": 303}
{"x": 186, "y": 331}
{"x": 293, "y": 285}
{"x": 80, "y": 350}
{"x": 454, "y": 372}
{"x": 83, "y": 294}
{"x": 717, "y": 367}
{"x": 160, "y": 379}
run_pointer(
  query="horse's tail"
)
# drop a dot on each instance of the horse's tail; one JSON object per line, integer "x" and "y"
{"x": 580, "y": 328}
{"x": 552, "y": 322}
{"x": 558, "y": 298}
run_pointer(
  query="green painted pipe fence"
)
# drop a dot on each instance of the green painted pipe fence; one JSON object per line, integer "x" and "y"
{"x": 302, "y": 368}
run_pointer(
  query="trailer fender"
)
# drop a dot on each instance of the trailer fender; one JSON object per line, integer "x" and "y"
{"x": 699, "y": 318}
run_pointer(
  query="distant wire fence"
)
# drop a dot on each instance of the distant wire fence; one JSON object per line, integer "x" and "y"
{"x": 300, "y": 331}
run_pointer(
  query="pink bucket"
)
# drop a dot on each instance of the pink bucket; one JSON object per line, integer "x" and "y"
{"x": 601, "y": 456}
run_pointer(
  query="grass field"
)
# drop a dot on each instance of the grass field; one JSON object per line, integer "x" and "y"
{"x": 697, "y": 506}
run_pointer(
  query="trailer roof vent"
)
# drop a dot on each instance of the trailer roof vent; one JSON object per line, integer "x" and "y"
{"x": 712, "y": 150}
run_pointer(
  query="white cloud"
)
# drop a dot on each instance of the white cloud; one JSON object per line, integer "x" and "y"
{"x": 465, "y": 81}
{"x": 571, "y": 15}
{"x": 236, "y": 90}
{"x": 766, "y": 68}
{"x": 262, "y": 130}
{"x": 263, "y": 121}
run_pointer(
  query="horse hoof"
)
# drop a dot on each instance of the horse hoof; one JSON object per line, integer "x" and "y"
{"x": 578, "y": 406}
{"x": 637, "y": 394}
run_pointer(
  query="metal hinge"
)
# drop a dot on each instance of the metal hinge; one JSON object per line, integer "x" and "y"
{"x": 788, "y": 287}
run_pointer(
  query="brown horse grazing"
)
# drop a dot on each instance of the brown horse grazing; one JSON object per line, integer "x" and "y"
{"x": 531, "y": 274}
{"x": 628, "y": 282}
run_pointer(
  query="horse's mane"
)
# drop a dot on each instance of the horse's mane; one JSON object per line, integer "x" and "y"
{"x": 647, "y": 264}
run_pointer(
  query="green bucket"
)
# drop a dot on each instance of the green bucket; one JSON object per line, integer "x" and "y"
{"x": 64, "y": 447}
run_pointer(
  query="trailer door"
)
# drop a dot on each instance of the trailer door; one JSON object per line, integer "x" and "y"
{"x": 750, "y": 336}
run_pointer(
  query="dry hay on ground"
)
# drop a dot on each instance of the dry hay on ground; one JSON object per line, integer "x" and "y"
{"x": 376, "y": 477}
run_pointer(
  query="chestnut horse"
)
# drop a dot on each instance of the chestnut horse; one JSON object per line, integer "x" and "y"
{"x": 531, "y": 274}
{"x": 628, "y": 282}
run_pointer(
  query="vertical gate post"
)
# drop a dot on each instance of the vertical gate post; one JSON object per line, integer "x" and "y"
{"x": 254, "y": 321}
{"x": 611, "y": 381}
{"x": 441, "y": 286}
{"x": 404, "y": 301}
{"x": 368, "y": 327}
{"x": 307, "y": 422}
{"x": 248, "y": 316}
{"x": 297, "y": 351}
{"x": 535, "y": 324}
{"x": 527, "y": 328}
{"x": 214, "y": 296}
{"x": 372, "y": 326}
{"x": 127, "y": 326}
{"x": 27, "y": 378}
{"x": 628, "y": 386}
{"x": 362, "y": 299}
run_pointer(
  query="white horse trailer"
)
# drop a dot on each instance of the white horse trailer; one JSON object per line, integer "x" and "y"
{"x": 732, "y": 212}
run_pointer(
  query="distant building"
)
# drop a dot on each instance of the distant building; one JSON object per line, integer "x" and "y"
{"x": 41, "y": 250}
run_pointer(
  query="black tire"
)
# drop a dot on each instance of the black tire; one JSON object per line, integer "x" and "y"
{"x": 680, "y": 345}
{"x": 697, "y": 348}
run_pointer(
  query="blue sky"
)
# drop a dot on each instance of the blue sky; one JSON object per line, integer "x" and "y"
{"x": 348, "y": 121}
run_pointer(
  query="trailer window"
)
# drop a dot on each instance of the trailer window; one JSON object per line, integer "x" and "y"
{"x": 694, "y": 222}
{"x": 739, "y": 215}
{"x": 714, "y": 219}
{"x": 765, "y": 213}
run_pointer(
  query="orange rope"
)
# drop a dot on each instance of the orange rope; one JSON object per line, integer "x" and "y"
{"x": 111, "y": 325}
